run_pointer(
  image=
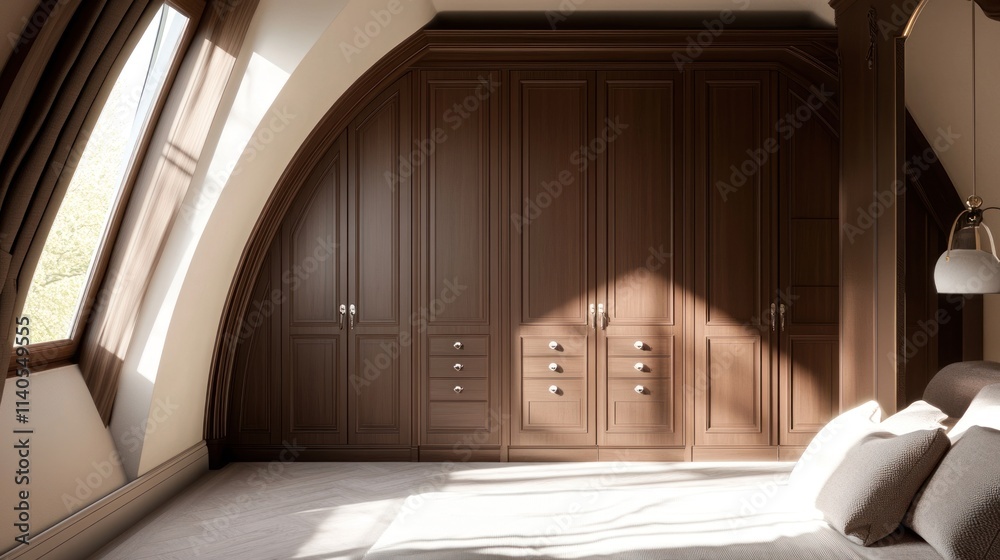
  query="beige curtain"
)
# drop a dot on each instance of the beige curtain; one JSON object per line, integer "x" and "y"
{"x": 163, "y": 182}
{"x": 51, "y": 83}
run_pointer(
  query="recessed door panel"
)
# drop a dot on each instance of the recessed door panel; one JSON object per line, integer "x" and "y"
{"x": 378, "y": 300}
{"x": 809, "y": 280}
{"x": 552, "y": 244}
{"x": 736, "y": 153}
{"x": 640, "y": 257}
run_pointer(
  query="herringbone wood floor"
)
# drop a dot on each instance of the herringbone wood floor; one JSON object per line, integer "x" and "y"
{"x": 313, "y": 511}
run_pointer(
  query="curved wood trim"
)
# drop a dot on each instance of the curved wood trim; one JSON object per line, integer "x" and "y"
{"x": 991, "y": 8}
{"x": 806, "y": 56}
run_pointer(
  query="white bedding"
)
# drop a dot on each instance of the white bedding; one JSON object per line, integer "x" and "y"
{"x": 695, "y": 511}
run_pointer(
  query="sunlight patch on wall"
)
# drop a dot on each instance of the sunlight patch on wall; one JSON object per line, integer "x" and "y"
{"x": 249, "y": 128}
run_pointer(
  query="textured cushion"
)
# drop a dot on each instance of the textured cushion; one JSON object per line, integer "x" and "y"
{"x": 954, "y": 387}
{"x": 984, "y": 411}
{"x": 869, "y": 493}
{"x": 827, "y": 450}
{"x": 920, "y": 415}
{"x": 958, "y": 511}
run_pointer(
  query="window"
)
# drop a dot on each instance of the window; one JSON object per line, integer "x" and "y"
{"x": 75, "y": 252}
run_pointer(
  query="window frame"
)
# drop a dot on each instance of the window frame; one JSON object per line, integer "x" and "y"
{"x": 58, "y": 353}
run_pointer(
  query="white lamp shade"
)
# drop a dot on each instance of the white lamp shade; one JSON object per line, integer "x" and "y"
{"x": 967, "y": 271}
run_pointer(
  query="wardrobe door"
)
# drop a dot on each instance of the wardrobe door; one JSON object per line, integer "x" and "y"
{"x": 314, "y": 342}
{"x": 460, "y": 279}
{"x": 809, "y": 291}
{"x": 379, "y": 242}
{"x": 735, "y": 153}
{"x": 553, "y": 238}
{"x": 640, "y": 269}
{"x": 255, "y": 406}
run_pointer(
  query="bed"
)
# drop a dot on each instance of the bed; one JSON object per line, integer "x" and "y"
{"x": 699, "y": 511}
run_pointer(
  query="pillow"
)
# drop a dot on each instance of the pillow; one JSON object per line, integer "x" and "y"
{"x": 984, "y": 411}
{"x": 954, "y": 387}
{"x": 827, "y": 450}
{"x": 869, "y": 493}
{"x": 958, "y": 511}
{"x": 920, "y": 415}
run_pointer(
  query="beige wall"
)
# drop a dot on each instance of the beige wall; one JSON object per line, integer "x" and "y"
{"x": 73, "y": 460}
{"x": 939, "y": 95}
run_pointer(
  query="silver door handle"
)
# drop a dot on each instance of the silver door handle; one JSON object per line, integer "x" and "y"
{"x": 603, "y": 316}
{"x": 354, "y": 312}
{"x": 772, "y": 317}
{"x": 639, "y": 389}
{"x": 781, "y": 313}
{"x": 593, "y": 315}
{"x": 343, "y": 311}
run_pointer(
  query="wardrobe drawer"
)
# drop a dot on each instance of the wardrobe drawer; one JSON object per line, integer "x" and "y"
{"x": 458, "y": 345}
{"x": 458, "y": 366}
{"x": 639, "y": 403}
{"x": 459, "y": 390}
{"x": 555, "y": 366}
{"x": 640, "y": 346}
{"x": 449, "y": 416}
{"x": 554, "y": 346}
{"x": 641, "y": 367}
{"x": 559, "y": 404}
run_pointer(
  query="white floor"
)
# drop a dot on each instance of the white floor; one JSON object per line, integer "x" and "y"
{"x": 317, "y": 511}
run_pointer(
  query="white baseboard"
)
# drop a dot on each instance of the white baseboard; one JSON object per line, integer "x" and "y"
{"x": 86, "y": 531}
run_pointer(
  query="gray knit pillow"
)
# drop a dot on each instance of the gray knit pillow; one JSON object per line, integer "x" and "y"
{"x": 958, "y": 511}
{"x": 869, "y": 493}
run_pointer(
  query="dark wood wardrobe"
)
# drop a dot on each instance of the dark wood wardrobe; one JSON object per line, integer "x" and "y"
{"x": 546, "y": 250}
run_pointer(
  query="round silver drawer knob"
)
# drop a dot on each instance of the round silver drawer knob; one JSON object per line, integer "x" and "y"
{"x": 458, "y": 389}
{"x": 553, "y": 389}
{"x": 639, "y": 367}
{"x": 640, "y": 389}
{"x": 553, "y": 345}
{"x": 458, "y": 367}
{"x": 553, "y": 366}
{"x": 458, "y": 345}
{"x": 639, "y": 345}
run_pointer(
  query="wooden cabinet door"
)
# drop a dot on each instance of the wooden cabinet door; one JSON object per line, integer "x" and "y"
{"x": 553, "y": 238}
{"x": 314, "y": 341}
{"x": 808, "y": 286}
{"x": 379, "y": 249}
{"x": 255, "y": 411}
{"x": 639, "y": 260}
{"x": 733, "y": 257}
{"x": 460, "y": 287}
